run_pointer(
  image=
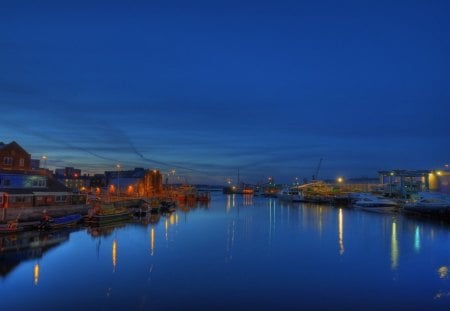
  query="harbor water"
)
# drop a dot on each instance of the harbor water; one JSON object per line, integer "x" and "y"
{"x": 237, "y": 252}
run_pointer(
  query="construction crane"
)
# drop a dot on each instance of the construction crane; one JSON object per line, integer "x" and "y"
{"x": 316, "y": 175}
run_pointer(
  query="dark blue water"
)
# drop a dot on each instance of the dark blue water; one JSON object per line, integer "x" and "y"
{"x": 239, "y": 252}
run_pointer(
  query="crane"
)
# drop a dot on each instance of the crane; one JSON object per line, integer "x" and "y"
{"x": 315, "y": 176}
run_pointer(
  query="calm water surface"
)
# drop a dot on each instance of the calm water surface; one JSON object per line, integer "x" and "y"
{"x": 239, "y": 252}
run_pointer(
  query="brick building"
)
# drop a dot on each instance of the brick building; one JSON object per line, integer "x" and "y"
{"x": 14, "y": 157}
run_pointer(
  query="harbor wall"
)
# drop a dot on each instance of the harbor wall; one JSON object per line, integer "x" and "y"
{"x": 36, "y": 212}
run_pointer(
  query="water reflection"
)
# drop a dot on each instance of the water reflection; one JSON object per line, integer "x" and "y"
{"x": 230, "y": 251}
{"x": 19, "y": 247}
{"x": 106, "y": 229}
{"x": 248, "y": 199}
{"x": 36, "y": 271}
{"x": 231, "y": 234}
{"x": 443, "y": 272}
{"x": 231, "y": 202}
{"x": 114, "y": 254}
{"x": 152, "y": 241}
{"x": 341, "y": 232}
{"x": 394, "y": 246}
{"x": 272, "y": 217}
{"x": 417, "y": 239}
{"x": 236, "y": 200}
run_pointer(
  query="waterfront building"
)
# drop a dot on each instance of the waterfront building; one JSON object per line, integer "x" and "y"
{"x": 72, "y": 178}
{"x": 403, "y": 183}
{"x": 23, "y": 186}
{"x": 124, "y": 182}
{"x": 151, "y": 184}
{"x": 98, "y": 181}
{"x": 14, "y": 157}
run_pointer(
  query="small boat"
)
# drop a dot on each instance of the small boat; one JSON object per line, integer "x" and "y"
{"x": 61, "y": 222}
{"x": 375, "y": 203}
{"x": 108, "y": 213}
{"x": 291, "y": 194}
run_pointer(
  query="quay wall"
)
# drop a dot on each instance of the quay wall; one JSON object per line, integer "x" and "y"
{"x": 36, "y": 212}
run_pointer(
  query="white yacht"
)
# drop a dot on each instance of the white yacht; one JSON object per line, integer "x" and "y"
{"x": 429, "y": 203}
{"x": 290, "y": 194}
{"x": 374, "y": 203}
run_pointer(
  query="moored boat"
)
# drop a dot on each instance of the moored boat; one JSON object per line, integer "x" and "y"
{"x": 61, "y": 222}
{"x": 105, "y": 213}
{"x": 375, "y": 203}
{"x": 429, "y": 204}
{"x": 290, "y": 194}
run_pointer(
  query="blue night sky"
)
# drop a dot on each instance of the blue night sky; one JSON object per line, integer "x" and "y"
{"x": 207, "y": 88}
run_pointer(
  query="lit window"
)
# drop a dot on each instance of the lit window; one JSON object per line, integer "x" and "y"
{"x": 7, "y": 161}
{"x": 21, "y": 162}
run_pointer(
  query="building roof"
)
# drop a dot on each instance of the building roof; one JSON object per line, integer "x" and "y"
{"x": 406, "y": 173}
{"x": 12, "y": 144}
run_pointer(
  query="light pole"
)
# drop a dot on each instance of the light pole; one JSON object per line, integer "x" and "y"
{"x": 44, "y": 157}
{"x": 118, "y": 180}
{"x": 173, "y": 177}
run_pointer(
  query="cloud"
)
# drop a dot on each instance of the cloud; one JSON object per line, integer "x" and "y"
{"x": 14, "y": 88}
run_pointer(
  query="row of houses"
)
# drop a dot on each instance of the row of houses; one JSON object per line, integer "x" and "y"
{"x": 24, "y": 183}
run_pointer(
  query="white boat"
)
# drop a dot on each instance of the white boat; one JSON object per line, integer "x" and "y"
{"x": 374, "y": 203}
{"x": 290, "y": 194}
{"x": 429, "y": 203}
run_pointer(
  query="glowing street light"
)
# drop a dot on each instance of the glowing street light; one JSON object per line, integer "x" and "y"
{"x": 340, "y": 180}
{"x": 44, "y": 157}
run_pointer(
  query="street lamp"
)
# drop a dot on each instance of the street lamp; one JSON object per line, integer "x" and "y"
{"x": 118, "y": 184}
{"x": 44, "y": 157}
{"x": 173, "y": 171}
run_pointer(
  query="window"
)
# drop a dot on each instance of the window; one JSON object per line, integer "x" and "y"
{"x": 21, "y": 162}
{"x": 21, "y": 199}
{"x": 39, "y": 183}
{"x": 7, "y": 161}
{"x": 60, "y": 198}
